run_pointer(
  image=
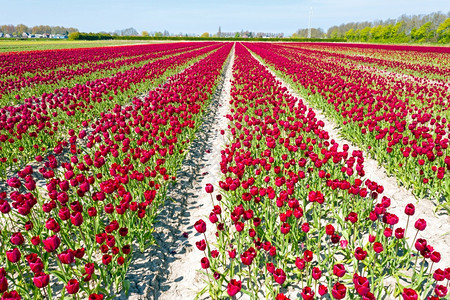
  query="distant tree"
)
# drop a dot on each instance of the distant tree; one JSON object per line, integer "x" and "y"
{"x": 356, "y": 35}
{"x": 397, "y": 34}
{"x": 386, "y": 32}
{"x": 332, "y": 30}
{"x": 316, "y": 33}
{"x": 334, "y": 34}
{"x": 129, "y": 32}
{"x": 205, "y": 35}
{"x": 423, "y": 32}
{"x": 74, "y": 36}
{"x": 413, "y": 33}
{"x": 443, "y": 32}
{"x": 236, "y": 35}
{"x": 158, "y": 34}
{"x": 364, "y": 34}
{"x": 145, "y": 33}
{"x": 376, "y": 32}
{"x": 8, "y": 29}
{"x": 21, "y": 28}
{"x": 39, "y": 29}
{"x": 350, "y": 34}
{"x": 415, "y": 28}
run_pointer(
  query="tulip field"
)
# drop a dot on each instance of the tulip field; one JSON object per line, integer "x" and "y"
{"x": 92, "y": 140}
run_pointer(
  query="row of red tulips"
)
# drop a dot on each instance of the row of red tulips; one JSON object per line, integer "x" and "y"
{"x": 15, "y": 88}
{"x": 402, "y": 124}
{"x": 423, "y": 62}
{"x": 81, "y": 228}
{"x": 43, "y": 122}
{"x": 296, "y": 218}
{"x": 17, "y": 64}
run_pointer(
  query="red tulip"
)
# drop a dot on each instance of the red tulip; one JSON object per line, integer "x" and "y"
{"x": 233, "y": 287}
{"x": 410, "y": 209}
{"x": 200, "y": 226}
{"x": 72, "y": 287}
{"x": 280, "y": 276}
{"x": 339, "y": 290}
{"x": 209, "y": 188}
{"x": 51, "y": 243}
{"x": 316, "y": 273}
{"x": 13, "y": 255}
{"x": 339, "y": 270}
{"x": 17, "y": 239}
{"x": 41, "y": 280}
{"x": 360, "y": 254}
{"x": 378, "y": 247}
{"x": 205, "y": 263}
{"x": 307, "y": 293}
{"x": 409, "y": 294}
{"x": 66, "y": 257}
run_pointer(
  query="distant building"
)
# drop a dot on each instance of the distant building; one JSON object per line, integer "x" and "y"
{"x": 59, "y": 36}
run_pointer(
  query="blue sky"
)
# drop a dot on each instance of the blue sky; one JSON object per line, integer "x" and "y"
{"x": 198, "y": 16}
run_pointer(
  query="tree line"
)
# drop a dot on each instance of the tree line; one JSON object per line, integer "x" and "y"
{"x": 433, "y": 27}
{"x": 19, "y": 29}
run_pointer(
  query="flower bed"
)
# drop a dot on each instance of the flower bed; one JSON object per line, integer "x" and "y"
{"x": 403, "y": 124}
{"x": 43, "y": 122}
{"x": 17, "y": 86}
{"x": 296, "y": 218}
{"x": 79, "y": 230}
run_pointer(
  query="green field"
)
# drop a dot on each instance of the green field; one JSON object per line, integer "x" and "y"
{"x": 37, "y": 44}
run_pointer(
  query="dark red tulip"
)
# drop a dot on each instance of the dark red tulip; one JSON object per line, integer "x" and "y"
{"x": 399, "y": 233}
{"x": 360, "y": 254}
{"x": 234, "y": 287}
{"x": 200, "y": 226}
{"x": 209, "y": 188}
{"x": 420, "y": 244}
{"x": 279, "y": 276}
{"x": 440, "y": 290}
{"x": 17, "y": 239}
{"x": 66, "y": 257}
{"x": 72, "y": 286}
{"x": 96, "y": 297}
{"x": 339, "y": 291}
{"x": 409, "y": 294}
{"x": 76, "y": 218}
{"x": 51, "y": 243}
{"x": 339, "y": 270}
{"x": 378, "y": 247}
{"x": 3, "y": 284}
{"x": 316, "y": 273}
{"x": 410, "y": 209}
{"x": 307, "y": 293}
{"x": 420, "y": 224}
{"x": 323, "y": 290}
{"x": 204, "y": 263}
{"x": 41, "y": 280}
{"x": 13, "y": 255}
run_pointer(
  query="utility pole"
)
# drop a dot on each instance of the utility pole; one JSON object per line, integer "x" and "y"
{"x": 309, "y": 26}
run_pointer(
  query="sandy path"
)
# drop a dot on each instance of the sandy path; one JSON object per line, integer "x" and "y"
{"x": 437, "y": 232}
{"x": 171, "y": 269}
